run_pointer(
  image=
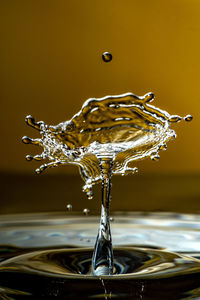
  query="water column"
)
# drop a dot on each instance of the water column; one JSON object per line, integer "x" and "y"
{"x": 102, "y": 260}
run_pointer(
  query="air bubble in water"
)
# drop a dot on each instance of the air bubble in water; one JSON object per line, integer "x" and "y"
{"x": 107, "y": 56}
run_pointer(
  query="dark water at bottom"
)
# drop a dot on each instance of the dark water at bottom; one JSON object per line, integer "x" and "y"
{"x": 34, "y": 265}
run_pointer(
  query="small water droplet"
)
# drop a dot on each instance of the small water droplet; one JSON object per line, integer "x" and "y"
{"x": 107, "y": 56}
{"x": 90, "y": 196}
{"x": 69, "y": 207}
{"x": 86, "y": 211}
{"x": 38, "y": 171}
{"x": 188, "y": 118}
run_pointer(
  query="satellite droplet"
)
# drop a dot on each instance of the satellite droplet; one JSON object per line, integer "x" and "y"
{"x": 107, "y": 56}
{"x": 86, "y": 211}
{"x": 69, "y": 207}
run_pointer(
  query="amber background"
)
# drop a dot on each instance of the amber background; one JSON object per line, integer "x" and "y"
{"x": 50, "y": 58}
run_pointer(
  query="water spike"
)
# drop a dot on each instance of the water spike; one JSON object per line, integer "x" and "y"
{"x": 26, "y": 140}
{"x": 188, "y": 118}
{"x": 175, "y": 119}
{"x": 128, "y": 171}
{"x": 29, "y": 157}
{"x": 37, "y": 142}
{"x": 38, "y": 157}
{"x": 149, "y": 97}
{"x": 31, "y": 122}
{"x": 49, "y": 165}
{"x": 44, "y": 167}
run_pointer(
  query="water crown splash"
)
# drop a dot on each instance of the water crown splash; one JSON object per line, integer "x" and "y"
{"x": 102, "y": 139}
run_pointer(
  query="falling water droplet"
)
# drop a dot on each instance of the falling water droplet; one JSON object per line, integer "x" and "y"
{"x": 107, "y": 56}
{"x": 188, "y": 118}
{"x": 69, "y": 207}
{"x": 86, "y": 211}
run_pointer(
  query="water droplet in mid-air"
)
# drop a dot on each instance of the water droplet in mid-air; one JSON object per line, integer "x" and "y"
{"x": 86, "y": 211}
{"x": 107, "y": 56}
{"x": 69, "y": 207}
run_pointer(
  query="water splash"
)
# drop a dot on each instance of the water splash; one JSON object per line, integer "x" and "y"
{"x": 125, "y": 127}
{"x": 102, "y": 139}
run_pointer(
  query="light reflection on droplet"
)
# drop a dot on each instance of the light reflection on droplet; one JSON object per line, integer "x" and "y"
{"x": 107, "y": 56}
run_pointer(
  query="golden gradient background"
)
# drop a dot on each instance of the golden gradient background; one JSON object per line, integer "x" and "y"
{"x": 50, "y": 58}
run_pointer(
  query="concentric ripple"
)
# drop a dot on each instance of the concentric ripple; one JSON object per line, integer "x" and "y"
{"x": 44, "y": 268}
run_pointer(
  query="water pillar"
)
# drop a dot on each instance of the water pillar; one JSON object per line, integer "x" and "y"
{"x": 102, "y": 260}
